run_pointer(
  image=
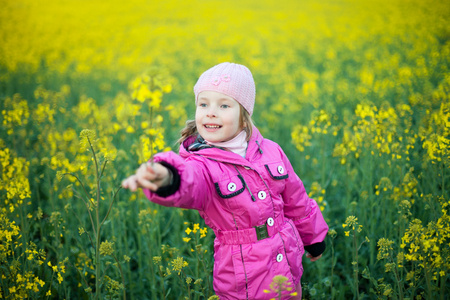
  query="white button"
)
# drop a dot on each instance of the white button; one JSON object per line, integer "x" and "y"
{"x": 232, "y": 186}
{"x": 262, "y": 195}
{"x": 280, "y": 169}
{"x": 270, "y": 221}
{"x": 279, "y": 257}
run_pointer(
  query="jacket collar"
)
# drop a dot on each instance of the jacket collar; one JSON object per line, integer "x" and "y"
{"x": 253, "y": 151}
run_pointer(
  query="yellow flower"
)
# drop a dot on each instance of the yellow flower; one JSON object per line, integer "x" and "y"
{"x": 188, "y": 231}
{"x": 87, "y": 138}
{"x": 351, "y": 221}
{"x": 178, "y": 264}
{"x": 196, "y": 227}
{"x": 106, "y": 248}
{"x": 60, "y": 279}
{"x": 157, "y": 260}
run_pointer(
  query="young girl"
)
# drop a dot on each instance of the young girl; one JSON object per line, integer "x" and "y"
{"x": 243, "y": 186}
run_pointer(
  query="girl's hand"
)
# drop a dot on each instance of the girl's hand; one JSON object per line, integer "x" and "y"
{"x": 313, "y": 258}
{"x": 148, "y": 176}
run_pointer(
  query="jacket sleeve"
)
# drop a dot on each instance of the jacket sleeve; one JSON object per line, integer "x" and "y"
{"x": 304, "y": 212}
{"x": 194, "y": 183}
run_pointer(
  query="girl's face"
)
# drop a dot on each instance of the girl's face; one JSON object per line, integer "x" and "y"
{"x": 217, "y": 117}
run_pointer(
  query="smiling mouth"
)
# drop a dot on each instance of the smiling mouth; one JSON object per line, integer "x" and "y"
{"x": 212, "y": 126}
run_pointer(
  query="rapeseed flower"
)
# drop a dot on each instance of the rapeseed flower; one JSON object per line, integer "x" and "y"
{"x": 106, "y": 248}
{"x": 281, "y": 286}
{"x": 178, "y": 264}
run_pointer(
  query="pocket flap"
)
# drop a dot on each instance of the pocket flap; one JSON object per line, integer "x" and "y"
{"x": 231, "y": 187}
{"x": 277, "y": 170}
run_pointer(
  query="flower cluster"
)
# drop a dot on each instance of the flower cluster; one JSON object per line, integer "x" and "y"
{"x": 281, "y": 287}
{"x": 427, "y": 247}
{"x": 352, "y": 222}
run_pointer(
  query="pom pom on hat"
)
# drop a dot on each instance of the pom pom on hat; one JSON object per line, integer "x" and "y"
{"x": 233, "y": 80}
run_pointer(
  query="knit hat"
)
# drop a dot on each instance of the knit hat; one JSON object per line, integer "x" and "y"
{"x": 233, "y": 80}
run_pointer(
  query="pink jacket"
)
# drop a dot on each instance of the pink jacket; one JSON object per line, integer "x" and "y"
{"x": 258, "y": 209}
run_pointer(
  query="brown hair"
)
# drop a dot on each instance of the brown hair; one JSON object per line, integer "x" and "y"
{"x": 245, "y": 122}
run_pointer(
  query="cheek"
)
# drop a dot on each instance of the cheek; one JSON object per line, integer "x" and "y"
{"x": 198, "y": 117}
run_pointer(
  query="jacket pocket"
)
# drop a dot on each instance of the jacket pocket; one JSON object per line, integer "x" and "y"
{"x": 277, "y": 170}
{"x": 294, "y": 249}
{"x": 230, "y": 193}
{"x": 230, "y": 187}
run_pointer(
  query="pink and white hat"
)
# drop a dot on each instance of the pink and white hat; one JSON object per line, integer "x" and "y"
{"x": 231, "y": 79}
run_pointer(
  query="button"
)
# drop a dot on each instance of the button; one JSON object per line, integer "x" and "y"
{"x": 232, "y": 186}
{"x": 270, "y": 221}
{"x": 262, "y": 195}
{"x": 280, "y": 169}
{"x": 279, "y": 257}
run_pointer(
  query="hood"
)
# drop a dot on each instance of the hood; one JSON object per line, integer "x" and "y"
{"x": 253, "y": 151}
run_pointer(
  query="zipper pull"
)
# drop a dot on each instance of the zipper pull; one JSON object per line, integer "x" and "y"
{"x": 259, "y": 147}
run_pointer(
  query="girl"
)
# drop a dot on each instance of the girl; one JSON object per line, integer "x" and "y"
{"x": 243, "y": 186}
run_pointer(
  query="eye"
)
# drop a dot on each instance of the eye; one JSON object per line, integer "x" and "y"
{"x": 224, "y": 106}
{"x": 202, "y": 105}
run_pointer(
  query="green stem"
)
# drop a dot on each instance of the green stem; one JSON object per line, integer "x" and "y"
{"x": 161, "y": 275}
{"x": 397, "y": 278}
{"x": 443, "y": 179}
{"x": 428, "y": 281}
{"x": 443, "y": 279}
{"x": 188, "y": 286}
{"x": 332, "y": 268}
{"x": 103, "y": 168}
{"x": 204, "y": 262}
{"x": 121, "y": 275}
{"x": 110, "y": 206}
{"x": 97, "y": 212}
{"x": 151, "y": 136}
{"x": 86, "y": 203}
{"x": 79, "y": 221}
{"x": 355, "y": 265}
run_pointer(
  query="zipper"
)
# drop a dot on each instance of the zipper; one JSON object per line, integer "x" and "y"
{"x": 245, "y": 272}
{"x": 242, "y": 259}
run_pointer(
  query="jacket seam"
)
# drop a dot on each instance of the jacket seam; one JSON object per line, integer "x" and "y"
{"x": 287, "y": 260}
{"x": 298, "y": 244}
{"x": 270, "y": 192}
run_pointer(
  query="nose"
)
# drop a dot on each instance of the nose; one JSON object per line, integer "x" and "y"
{"x": 212, "y": 112}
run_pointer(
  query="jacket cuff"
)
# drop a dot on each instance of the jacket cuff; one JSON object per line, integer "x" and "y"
{"x": 316, "y": 249}
{"x": 172, "y": 188}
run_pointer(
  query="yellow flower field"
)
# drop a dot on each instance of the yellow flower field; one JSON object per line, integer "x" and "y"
{"x": 356, "y": 93}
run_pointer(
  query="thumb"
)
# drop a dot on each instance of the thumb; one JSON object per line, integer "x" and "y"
{"x": 151, "y": 167}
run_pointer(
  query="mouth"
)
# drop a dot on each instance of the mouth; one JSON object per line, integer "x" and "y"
{"x": 210, "y": 126}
